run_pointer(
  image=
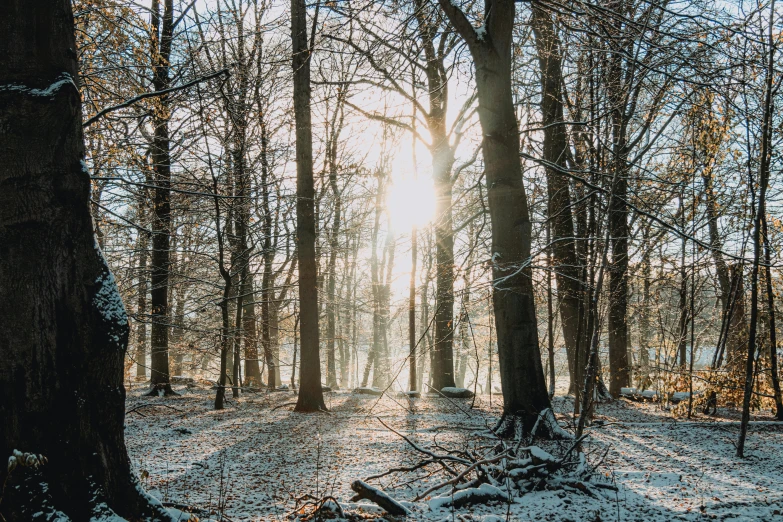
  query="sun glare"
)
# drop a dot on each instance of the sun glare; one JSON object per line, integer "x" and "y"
{"x": 411, "y": 201}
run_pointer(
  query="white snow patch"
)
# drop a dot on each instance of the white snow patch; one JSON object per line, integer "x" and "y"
{"x": 108, "y": 301}
{"x": 63, "y": 79}
{"x": 107, "y": 298}
{"x": 484, "y": 489}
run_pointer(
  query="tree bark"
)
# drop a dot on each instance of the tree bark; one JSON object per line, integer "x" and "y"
{"x": 141, "y": 307}
{"x": 522, "y": 376}
{"x": 310, "y": 392}
{"x": 63, "y": 327}
{"x": 442, "y": 162}
{"x": 555, "y": 150}
{"x": 161, "y": 229}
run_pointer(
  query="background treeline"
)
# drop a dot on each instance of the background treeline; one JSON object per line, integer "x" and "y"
{"x": 649, "y": 140}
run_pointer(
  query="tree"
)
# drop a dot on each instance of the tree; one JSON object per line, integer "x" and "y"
{"x": 160, "y": 51}
{"x": 310, "y": 393}
{"x": 522, "y": 375}
{"x": 63, "y": 323}
{"x": 559, "y": 208}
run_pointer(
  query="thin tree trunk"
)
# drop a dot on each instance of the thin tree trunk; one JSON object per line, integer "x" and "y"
{"x": 550, "y": 316}
{"x": 412, "y": 377}
{"x": 555, "y": 151}
{"x": 764, "y": 171}
{"x": 161, "y": 229}
{"x": 682, "y": 346}
{"x": 141, "y": 308}
{"x": 773, "y": 339}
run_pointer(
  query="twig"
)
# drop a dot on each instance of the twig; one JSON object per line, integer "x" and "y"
{"x": 424, "y": 450}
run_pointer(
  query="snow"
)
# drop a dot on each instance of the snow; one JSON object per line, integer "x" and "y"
{"x": 484, "y": 489}
{"x": 665, "y": 468}
{"x": 51, "y": 90}
{"x": 107, "y": 298}
{"x": 541, "y": 455}
{"x": 481, "y": 33}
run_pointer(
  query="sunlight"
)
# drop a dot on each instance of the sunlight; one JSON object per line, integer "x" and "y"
{"x": 411, "y": 201}
{"x": 411, "y": 197}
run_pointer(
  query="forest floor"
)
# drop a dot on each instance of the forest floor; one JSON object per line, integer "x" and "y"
{"x": 254, "y": 459}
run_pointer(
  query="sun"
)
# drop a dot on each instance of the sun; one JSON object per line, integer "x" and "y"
{"x": 411, "y": 202}
{"x": 410, "y": 199}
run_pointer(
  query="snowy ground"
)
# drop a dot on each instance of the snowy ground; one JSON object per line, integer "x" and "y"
{"x": 257, "y": 460}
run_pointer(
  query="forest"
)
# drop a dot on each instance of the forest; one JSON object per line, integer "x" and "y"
{"x": 437, "y": 260}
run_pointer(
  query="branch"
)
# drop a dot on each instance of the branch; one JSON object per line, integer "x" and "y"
{"x": 154, "y": 94}
{"x": 460, "y": 22}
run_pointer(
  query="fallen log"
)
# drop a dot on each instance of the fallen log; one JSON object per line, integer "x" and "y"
{"x": 480, "y": 495}
{"x": 368, "y": 391}
{"x": 456, "y": 393}
{"x": 378, "y": 496}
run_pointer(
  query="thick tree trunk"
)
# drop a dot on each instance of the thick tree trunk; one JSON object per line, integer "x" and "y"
{"x": 442, "y": 162}
{"x": 63, "y": 327}
{"x": 619, "y": 371}
{"x": 522, "y": 375}
{"x": 310, "y": 392}
{"x": 443, "y": 371}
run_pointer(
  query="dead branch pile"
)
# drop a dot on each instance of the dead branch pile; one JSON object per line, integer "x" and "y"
{"x": 497, "y": 470}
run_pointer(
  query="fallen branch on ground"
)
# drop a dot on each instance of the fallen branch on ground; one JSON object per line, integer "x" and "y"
{"x": 378, "y": 496}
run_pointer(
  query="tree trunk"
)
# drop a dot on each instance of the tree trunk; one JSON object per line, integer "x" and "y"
{"x": 522, "y": 375}
{"x": 559, "y": 210}
{"x": 716, "y": 244}
{"x": 737, "y": 335}
{"x": 424, "y": 323}
{"x": 310, "y": 392}
{"x": 773, "y": 336}
{"x": 682, "y": 345}
{"x": 63, "y": 327}
{"x": 161, "y": 229}
{"x": 252, "y": 371}
{"x": 141, "y": 308}
{"x": 619, "y": 372}
{"x": 763, "y": 178}
{"x": 331, "y": 270}
{"x": 178, "y": 331}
